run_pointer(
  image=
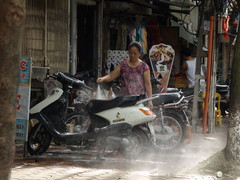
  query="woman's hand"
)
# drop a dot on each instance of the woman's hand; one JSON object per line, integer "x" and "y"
{"x": 150, "y": 105}
{"x": 99, "y": 80}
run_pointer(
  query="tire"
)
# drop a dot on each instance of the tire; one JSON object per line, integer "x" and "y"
{"x": 138, "y": 144}
{"x": 41, "y": 142}
{"x": 172, "y": 135}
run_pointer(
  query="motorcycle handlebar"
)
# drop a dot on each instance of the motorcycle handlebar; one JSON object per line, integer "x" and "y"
{"x": 54, "y": 76}
{"x": 87, "y": 87}
{"x": 69, "y": 80}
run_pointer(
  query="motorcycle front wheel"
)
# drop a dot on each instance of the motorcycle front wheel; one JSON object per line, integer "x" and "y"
{"x": 170, "y": 133}
{"x": 39, "y": 140}
{"x": 138, "y": 144}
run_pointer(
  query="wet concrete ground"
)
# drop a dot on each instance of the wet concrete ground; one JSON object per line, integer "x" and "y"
{"x": 60, "y": 163}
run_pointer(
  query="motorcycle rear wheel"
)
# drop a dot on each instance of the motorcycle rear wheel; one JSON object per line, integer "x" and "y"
{"x": 139, "y": 143}
{"x": 171, "y": 135}
{"x": 39, "y": 144}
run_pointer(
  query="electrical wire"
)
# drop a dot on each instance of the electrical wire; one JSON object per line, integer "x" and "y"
{"x": 198, "y": 4}
{"x": 190, "y": 22}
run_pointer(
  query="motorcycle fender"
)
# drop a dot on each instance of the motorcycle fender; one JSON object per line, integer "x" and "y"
{"x": 52, "y": 97}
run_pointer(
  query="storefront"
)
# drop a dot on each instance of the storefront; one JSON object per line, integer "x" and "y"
{"x": 125, "y": 22}
{"x": 97, "y": 32}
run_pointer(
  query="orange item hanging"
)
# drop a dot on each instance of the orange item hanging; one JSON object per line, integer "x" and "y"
{"x": 225, "y": 27}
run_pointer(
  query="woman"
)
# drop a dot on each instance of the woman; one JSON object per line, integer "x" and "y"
{"x": 134, "y": 74}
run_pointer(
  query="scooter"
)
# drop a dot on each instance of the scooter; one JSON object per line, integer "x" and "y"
{"x": 170, "y": 128}
{"x": 105, "y": 123}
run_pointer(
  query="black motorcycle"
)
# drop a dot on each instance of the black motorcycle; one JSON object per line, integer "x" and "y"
{"x": 171, "y": 121}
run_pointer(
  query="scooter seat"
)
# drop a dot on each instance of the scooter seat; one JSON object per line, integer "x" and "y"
{"x": 222, "y": 89}
{"x": 187, "y": 91}
{"x": 95, "y": 106}
{"x": 172, "y": 90}
{"x": 166, "y": 98}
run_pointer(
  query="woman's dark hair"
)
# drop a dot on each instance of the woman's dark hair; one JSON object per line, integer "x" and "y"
{"x": 186, "y": 52}
{"x": 136, "y": 44}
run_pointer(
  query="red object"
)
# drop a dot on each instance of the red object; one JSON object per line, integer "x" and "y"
{"x": 18, "y": 101}
{"x": 235, "y": 24}
{"x": 225, "y": 27}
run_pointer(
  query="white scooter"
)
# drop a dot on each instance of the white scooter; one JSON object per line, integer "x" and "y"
{"x": 112, "y": 123}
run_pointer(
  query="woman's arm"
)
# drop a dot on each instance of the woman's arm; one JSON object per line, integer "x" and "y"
{"x": 110, "y": 77}
{"x": 147, "y": 83}
{"x": 148, "y": 86}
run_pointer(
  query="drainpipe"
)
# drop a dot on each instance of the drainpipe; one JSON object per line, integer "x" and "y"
{"x": 46, "y": 63}
{"x": 208, "y": 77}
{"x": 99, "y": 36}
{"x": 73, "y": 36}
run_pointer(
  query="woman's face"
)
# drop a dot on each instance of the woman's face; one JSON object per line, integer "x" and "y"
{"x": 134, "y": 53}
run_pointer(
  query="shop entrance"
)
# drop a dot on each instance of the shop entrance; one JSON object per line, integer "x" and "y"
{"x": 85, "y": 38}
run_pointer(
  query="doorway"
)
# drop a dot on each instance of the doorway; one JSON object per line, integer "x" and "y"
{"x": 86, "y": 28}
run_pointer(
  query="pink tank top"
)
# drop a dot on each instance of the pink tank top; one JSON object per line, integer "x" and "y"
{"x": 132, "y": 79}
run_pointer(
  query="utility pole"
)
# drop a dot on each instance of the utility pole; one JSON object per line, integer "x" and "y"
{"x": 209, "y": 105}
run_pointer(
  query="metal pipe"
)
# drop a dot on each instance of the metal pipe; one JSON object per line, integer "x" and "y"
{"x": 100, "y": 4}
{"x": 46, "y": 35}
{"x": 211, "y": 113}
{"x": 73, "y": 37}
{"x": 208, "y": 77}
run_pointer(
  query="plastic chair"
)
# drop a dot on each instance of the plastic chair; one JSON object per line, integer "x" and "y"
{"x": 218, "y": 114}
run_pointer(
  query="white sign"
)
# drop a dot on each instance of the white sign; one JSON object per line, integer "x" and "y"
{"x": 23, "y": 99}
{"x": 161, "y": 57}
